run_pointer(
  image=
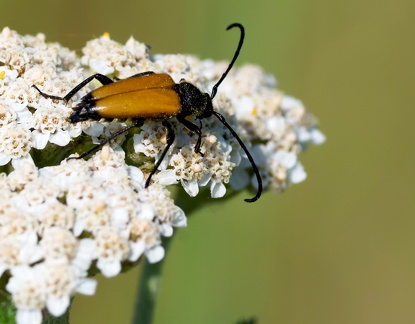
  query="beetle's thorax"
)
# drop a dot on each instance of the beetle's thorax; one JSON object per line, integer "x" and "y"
{"x": 194, "y": 102}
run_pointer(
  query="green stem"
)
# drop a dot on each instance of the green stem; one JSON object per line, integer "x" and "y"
{"x": 148, "y": 290}
{"x": 149, "y": 284}
{"x": 7, "y": 312}
{"x": 49, "y": 319}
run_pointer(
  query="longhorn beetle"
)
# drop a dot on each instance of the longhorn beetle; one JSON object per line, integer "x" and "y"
{"x": 155, "y": 96}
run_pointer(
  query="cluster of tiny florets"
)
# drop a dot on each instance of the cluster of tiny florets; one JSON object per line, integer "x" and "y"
{"x": 106, "y": 56}
{"x": 278, "y": 126}
{"x": 59, "y": 222}
{"x": 274, "y": 126}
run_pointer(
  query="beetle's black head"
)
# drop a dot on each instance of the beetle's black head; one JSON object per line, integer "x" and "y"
{"x": 193, "y": 101}
{"x": 207, "y": 108}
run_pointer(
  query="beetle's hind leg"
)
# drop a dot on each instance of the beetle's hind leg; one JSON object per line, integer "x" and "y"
{"x": 170, "y": 139}
{"x": 137, "y": 123}
{"x": 100, "y": 77}
{"x": 141, "y": 74}
{"x": 194, "y": 128}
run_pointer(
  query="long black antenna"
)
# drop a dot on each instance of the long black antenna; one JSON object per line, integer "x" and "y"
{"x": 254, "y": 167}
{"x": 235, "y": 56}
{"x": 224, "y": 122}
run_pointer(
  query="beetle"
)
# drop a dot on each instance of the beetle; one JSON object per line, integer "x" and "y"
{"x": 153, "y": 96}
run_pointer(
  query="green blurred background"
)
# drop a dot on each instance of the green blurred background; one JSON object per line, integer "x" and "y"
{"x": 338, "y": 248}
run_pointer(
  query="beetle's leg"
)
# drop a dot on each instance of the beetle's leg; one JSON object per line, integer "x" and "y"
{"x": 137, "y": 123}
{"x": 100, "y": 77}
{"x": 141, "y": 74}
{"x": 135, "y": 75}
{"x": 193, "y": 128}
{"x": 170, "y": 140}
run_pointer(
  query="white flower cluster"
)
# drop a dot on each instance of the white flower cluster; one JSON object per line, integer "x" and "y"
{"x": 275, "y": 127}
{"x": 57, "y": 222}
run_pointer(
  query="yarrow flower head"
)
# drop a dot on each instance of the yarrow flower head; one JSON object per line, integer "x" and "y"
{"x": 62, "y": 220}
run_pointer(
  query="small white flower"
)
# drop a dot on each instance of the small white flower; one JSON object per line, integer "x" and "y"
{"x": 166, "y": 212}
{"x": 143, "y": 235}
{"x": 151, "y": 140}
{"x": 15, "y": 143}
{"x": 317, "y": 137}
{"x": 58, "y": 243}
{"x": 136, "y": 176}
{"x": 18, "y": 178}
{"x": 155, "y": 254}
{"x": 16, "y": 222}
{"x": 19, "y": 250}
{"x": 49, "y": 125}
{"x": 25, "y": 316}
{"x": 14, "y": 113}
{"x": 106, "y": 56}
{"x": 28, "y": 289}
{"x": 82, "y": 260}
{"x": 61, "y": 284}
{"x": 54, "y": 213}
{"x": 190, "y": 186}
{"x": 101, "y": 66}
{"x": 297, "y": 173}
{"x": 166, "y": 177}
{"x": 112, "y": 249}
{"x": 217, "y": 189}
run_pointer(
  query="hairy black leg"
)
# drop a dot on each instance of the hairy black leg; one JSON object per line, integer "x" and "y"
{"x": 137, "y": 123}
{"x": 141, "y": 74}
{"x": 193, "y": 128}
{"x": 100, "y": 77}
{"x": 170, "y": 140}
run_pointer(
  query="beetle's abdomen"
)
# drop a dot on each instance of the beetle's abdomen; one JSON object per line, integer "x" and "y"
{"x": 144, "y": 96}
{"x": 148, "y": 103}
